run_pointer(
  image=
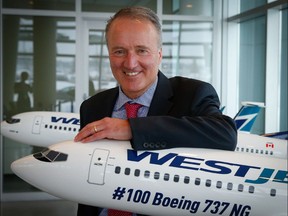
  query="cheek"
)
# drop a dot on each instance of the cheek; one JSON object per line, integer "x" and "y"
{"x": 115, "y": 64}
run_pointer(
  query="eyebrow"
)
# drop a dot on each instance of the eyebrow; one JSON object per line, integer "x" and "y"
{"x": 138, "y": 47}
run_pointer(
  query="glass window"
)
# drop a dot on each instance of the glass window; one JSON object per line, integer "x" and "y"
{"x": 68, "y": 5}
{"x": 100, "y": 75}
{"x": 38, "y": 74}
{"x": 252, "y": 65}
{"x": 248, "y": 4}
{"x": 188, "y": 7}
{"x": 284, "y": 73}
{"x": 187, "y": 49}
{"x": 113, "y": 6}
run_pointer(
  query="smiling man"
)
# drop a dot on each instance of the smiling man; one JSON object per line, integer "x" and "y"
{"x": 175, "y": 112}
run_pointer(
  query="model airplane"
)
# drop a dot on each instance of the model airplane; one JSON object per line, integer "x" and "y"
{"x": 46, "y": 128}
{"x": 41, "y": 128}
{"x": 179, "y": 181}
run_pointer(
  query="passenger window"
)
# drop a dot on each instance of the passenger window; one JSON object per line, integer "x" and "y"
{"x": 176, "y": 178}
{"x": 229, "y": 186}
{"x": 208, "y": 183}
{"x": 240, "y": 187}
{"x": 117, "y": 169}
{"x": 137, "y": 172}
{"x": 273, "y": 192}
{"x": 127, "y": 171}
{"x": 251, "y": 189}
{"x": 156, "y": 175}
{"x": 147, "y": 174}
{"x": 186, "y": 180}
{"x": 166, "y": 177}
{"x": 219, "y": 184}
{"x": 197, "y": 181}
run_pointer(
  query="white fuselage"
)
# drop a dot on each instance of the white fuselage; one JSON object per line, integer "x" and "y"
{"x": 179, "y": 181}
{"x": 46, "y": 128}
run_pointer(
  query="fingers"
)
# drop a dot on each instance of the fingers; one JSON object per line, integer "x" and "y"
{"x": 89, "y": 133}
{"x": 110, "y": 128}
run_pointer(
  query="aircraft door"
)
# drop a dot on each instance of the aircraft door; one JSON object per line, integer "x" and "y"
{"x": 97, "y": 168}
{"x": 37, "y": 125}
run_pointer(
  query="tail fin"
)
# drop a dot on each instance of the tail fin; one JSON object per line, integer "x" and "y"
{"x": 247, "y": 115}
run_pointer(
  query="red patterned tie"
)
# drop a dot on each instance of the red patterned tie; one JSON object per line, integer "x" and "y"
{"x": 113, "y": 212}
{"x": 132, "y": 109}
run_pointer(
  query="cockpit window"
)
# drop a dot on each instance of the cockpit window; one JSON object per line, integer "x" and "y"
{"x": 13, "y": 121}
{"x": 48, "y": 155}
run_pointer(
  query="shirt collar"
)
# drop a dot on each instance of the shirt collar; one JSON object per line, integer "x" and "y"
{"x": 145, "y": 99}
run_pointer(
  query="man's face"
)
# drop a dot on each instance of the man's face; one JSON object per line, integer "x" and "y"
{"x": 134, "y": 54}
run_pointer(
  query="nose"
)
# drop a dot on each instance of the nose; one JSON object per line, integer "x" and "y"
{"x": 131, "y": 61}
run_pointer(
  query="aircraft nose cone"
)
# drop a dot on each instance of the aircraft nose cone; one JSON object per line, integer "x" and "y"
{"x": 24, "y": 167}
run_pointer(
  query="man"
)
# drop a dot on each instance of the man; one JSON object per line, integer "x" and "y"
{"x": 176, "y": 112}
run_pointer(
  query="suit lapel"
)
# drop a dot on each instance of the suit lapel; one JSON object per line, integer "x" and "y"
{"x": 105, "y": 108}
{"x": 161, "y": 104}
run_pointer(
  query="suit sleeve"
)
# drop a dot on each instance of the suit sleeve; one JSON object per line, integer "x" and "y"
{"x": 194, "y": 121}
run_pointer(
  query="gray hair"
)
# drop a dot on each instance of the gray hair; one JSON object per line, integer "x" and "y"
{"x": 137, "y": 12}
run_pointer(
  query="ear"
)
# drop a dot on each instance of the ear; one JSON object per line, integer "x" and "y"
{"x": 160, "y": 55}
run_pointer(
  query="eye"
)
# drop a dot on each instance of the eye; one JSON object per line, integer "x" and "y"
{"x": 119, "y": 52}
{"x": 142, "y": 51}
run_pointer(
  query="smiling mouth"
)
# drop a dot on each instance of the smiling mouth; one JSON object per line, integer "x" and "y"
{"x": 132, "y": 73}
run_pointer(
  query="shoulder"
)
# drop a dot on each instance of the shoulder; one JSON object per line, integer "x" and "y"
{"x": 98, "y": 106}
{"x": 190, "y": 85}
{"x": 178, "y": 80}
{"x": 99, "y": 101}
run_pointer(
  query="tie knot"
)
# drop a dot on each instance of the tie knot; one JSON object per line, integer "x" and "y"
{"x": 132, "y": 109}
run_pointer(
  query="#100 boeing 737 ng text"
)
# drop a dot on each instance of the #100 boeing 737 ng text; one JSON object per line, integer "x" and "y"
{"x": 179, "y": 181}
{"x": 46, "y": 128}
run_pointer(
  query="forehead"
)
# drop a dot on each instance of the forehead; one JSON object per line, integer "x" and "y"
{"x": 130, "y": 23}
{"x": 131, "y": 27}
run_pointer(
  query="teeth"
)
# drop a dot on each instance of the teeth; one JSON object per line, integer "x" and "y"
{"x": 132, "y": 73}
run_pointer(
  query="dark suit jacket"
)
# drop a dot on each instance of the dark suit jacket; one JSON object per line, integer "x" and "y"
{"x": 183, "y": 113}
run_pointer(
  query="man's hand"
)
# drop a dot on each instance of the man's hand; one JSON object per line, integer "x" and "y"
{"x": 110, "y": 128}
